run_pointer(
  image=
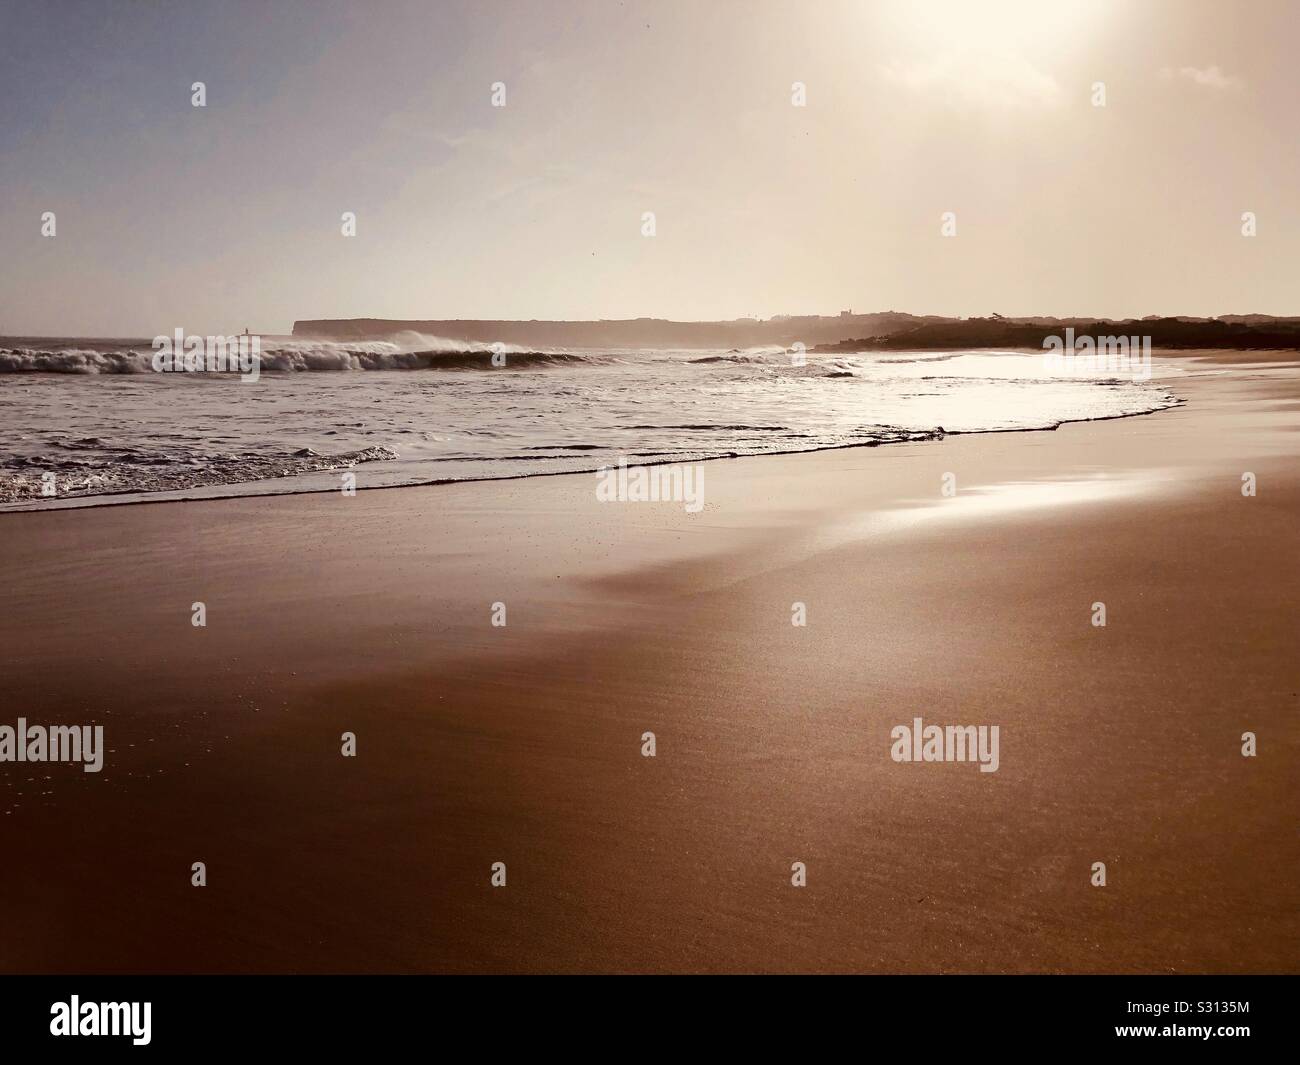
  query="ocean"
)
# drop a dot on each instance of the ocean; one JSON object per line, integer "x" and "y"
{"x": 91, "y": 422}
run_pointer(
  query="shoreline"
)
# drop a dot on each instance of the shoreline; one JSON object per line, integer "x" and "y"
{"x": 133, "y": 498}
{"x": 108, "y": 499}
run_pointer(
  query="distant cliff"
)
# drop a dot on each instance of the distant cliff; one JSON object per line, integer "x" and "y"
{"x": 809, "y": 330}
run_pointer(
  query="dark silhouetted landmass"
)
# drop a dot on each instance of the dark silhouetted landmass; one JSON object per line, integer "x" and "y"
{"x": 783, "y": 331}
{"x": 1233, "y": 332}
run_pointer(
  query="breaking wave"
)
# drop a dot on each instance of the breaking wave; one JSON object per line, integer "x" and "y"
{"x": 405, "y": 351}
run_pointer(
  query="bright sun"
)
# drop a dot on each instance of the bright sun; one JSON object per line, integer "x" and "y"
{"x": 998, "y": 26}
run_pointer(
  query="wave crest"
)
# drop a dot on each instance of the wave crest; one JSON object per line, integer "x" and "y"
{"x": 74, "y": 360}
{"x": 405, "y": 351}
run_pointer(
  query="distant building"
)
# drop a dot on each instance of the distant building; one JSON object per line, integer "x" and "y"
{"x": 847, "y": 314}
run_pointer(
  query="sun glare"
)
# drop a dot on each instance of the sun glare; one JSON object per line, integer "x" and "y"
{"x": 960, "y": 26}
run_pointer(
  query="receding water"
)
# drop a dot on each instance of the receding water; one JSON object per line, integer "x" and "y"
{"x": 108, "y": 428}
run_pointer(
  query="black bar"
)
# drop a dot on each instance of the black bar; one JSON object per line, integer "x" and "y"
{"x": 614, "y": 1016}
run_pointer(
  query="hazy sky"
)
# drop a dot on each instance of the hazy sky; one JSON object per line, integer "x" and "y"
{"x": 217, "y": 218}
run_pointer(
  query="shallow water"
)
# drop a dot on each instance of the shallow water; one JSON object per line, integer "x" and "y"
{"x": 94, "y": 420}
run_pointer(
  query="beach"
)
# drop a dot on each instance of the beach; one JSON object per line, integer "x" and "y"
{"x": 522, "y": 743}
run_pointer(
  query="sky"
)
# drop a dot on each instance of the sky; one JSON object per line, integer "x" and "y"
{"x": 217, "y": 218}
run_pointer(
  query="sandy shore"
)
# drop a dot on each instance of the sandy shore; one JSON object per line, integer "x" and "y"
{"x": 522, "y": 744}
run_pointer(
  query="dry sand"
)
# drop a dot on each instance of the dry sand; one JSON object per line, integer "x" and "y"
{"x": 522, "y": 744}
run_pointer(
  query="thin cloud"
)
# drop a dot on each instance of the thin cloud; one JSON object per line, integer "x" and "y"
{"x": 1010, "y": 82}
{"x": 1211, "y": 77}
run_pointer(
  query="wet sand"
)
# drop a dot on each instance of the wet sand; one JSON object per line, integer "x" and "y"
{"x": 522, "y": 744}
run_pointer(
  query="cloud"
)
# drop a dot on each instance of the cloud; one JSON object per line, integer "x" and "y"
{"x": 1005, "y": 82}
{"x": 1211, "y": 77}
